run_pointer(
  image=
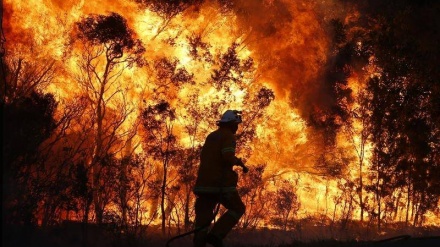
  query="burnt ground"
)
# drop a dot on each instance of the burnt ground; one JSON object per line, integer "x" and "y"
{"x": 73, "y": 234}
{"x": 398, "y": 241}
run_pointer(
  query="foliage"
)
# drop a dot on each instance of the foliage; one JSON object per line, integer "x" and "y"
{"x": 112, "y": 32}
{"x": 403, "y": 101}
{"x": 168, "y": 8}
{"x": 30, "y": 122}
{"x": 77, "y": 165}
{"x": 252, "y": 188}
{"x": 285, "y": 203}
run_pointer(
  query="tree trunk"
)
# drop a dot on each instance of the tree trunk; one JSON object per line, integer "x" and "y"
{"x": 361, "y": 188}
{"x": 186, "y": 220}
{"x": 408, "y": 204}
{"x": 378, "y": 205}
{"x": 162, "y": 199}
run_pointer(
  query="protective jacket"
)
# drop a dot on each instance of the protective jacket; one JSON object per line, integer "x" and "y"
{"x": 215, "y": 174}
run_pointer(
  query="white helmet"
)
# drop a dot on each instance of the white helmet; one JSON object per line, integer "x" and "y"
{"x": 231, "y": 116}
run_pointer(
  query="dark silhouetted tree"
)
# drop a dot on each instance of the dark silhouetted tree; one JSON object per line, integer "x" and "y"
{"x": 108, "y": 47}
{"x": 286, "y": 202}
{"x": 160, "y": 142}
{"x": 28, "y": 120}
{"x": 167, "y": 9}
{"x": 405, "y": 100}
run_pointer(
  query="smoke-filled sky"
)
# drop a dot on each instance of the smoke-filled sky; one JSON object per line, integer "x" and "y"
{"x": 291, "y": 43}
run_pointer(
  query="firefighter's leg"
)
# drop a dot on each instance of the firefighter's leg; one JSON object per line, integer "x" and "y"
{"x": 235, "y": 209}
{"x": 204, "y": 208}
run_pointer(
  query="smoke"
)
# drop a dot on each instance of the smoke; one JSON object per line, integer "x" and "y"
{"x": 292, "y": 43}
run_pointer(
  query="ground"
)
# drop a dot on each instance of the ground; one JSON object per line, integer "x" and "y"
{"x": 73, "y": 234}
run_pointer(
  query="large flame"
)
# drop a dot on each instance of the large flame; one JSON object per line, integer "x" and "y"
{"x": 286, "y": 39}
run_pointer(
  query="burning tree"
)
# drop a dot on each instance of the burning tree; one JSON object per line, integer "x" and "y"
{"x": 107, "y": 49}
{"x": 252, "y": 189}
{"x": 402, "y": 106}
{"x": 285, "y": 203}
{"x": 167, "y": 10}
{"x": 158, "y": 121}
{"x": 356, "y": 108}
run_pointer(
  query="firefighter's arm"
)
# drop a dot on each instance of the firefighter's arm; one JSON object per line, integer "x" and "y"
{"x": 234, "y": 160}
{"x": 228, "y": 153}
{"x": 230, "y": 158}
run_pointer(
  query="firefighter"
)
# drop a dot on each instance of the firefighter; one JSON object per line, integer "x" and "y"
{"x": 217, "y": 183}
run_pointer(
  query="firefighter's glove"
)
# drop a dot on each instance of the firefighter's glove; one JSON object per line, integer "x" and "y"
{"x": 245, "y": 169}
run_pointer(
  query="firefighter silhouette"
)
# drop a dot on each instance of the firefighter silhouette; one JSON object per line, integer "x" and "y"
{"x": 216, "y": 183}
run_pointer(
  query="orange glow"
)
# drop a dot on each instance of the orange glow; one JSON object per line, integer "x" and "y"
{"x": 289, "y": 50}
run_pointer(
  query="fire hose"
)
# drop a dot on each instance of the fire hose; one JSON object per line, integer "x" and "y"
{"x": 196, "y": 229}
{"x": 245, "y": 170}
